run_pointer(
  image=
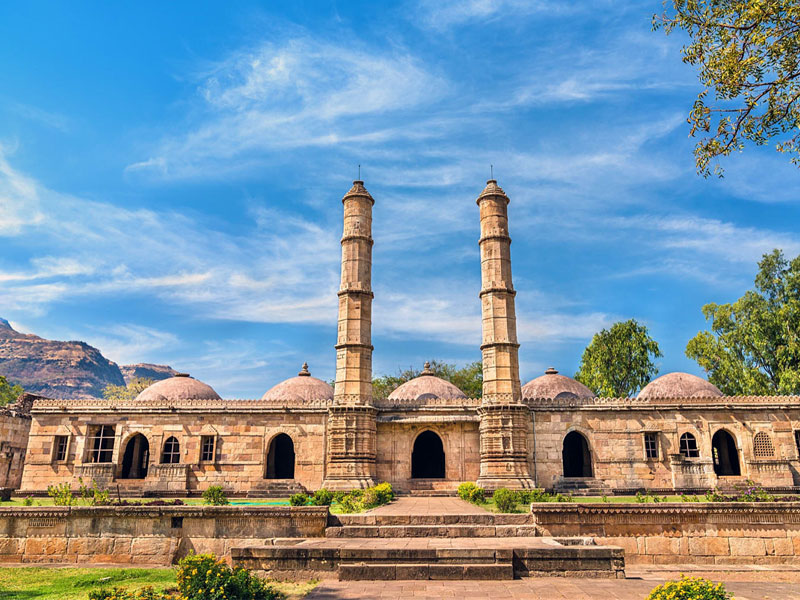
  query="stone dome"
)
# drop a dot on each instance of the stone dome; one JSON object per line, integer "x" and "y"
{"x": 426, "y": 387}
{"x": 302, "y": 388}
{"x": 553, "y": 385}
{"x": 179, "y": 387}
{"x": 679, "y": 385}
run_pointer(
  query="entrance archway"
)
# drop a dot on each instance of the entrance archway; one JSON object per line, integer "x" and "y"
{"x": 726, "y": 456}
{"x": 135, "y": 458}
{"x": 427, "y": 458}
{"x": 576, "y": 456}
{"x": 280, "y": 458}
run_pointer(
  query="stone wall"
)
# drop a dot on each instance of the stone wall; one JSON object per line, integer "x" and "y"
{"x": 15, "y": 423}
{"x": 145, "y": 535}
{"x": 242, "y": 442}
{"x": 675, "y": 533}
{"x": 615, "y": 430}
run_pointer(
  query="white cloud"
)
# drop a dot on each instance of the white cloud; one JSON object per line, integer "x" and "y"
{"x": 19, "y": 201}
{"x": 443, "y": 14}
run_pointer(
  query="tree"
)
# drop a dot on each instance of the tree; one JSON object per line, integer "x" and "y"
{"x": 8, "y": 392}
{"x": 469, "y": 378}
{"x": 618, "y": 362}
{"x": 748, "y": 53}
{"x": 754, "y": 344}
{"x": 121, "y": 393}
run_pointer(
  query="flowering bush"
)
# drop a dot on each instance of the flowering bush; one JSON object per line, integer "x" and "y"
{"x": 471, "y": 492}
{"x": 215, "y": 495}
{"x": 359, "y": 500}
{"x": 121, "y": 594}
{"x": 505, "y": 500}
{"x": 204, "y": 577}
{"x": 690, "y": 588}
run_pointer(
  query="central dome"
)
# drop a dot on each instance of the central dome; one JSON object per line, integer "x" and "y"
{"x": 303, "y": 388}
{"x": 555, "y": 386}
{"x": 426, "y": 387}
{"x": 680, "y": 385}
{"x": 179, "y": 387}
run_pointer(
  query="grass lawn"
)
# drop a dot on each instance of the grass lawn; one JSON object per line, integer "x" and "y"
{"x": 57, "y": 583}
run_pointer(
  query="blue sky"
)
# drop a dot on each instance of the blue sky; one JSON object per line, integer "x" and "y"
{"x": 171, "y": 177}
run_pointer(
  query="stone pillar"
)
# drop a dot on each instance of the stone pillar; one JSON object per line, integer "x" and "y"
{"x": 352, "y": 444}
{"x": 505, "y": 421}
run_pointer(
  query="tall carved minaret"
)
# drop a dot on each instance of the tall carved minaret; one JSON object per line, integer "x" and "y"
{"x": 351, "y": 420}
{"x": 505, "y": 421}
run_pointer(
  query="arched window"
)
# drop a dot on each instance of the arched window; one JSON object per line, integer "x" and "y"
{"x": 171, "y": 455}
{"x": 762, "y": 445}
{"x": 689, "y": 446}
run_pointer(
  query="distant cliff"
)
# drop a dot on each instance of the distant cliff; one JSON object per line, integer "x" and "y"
{"x": 147, "y": 371}
{"x": 63, "y": 369}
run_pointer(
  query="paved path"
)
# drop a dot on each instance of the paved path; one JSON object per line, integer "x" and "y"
{"x": 419, "y": 543}
{"x": 428, "y": 505}
{"x": 745, "y": 585}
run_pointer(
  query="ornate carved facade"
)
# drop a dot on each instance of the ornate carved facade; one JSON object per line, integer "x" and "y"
{"x": 179, "y": 436}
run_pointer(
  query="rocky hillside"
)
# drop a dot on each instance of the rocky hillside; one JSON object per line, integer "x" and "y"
{"x": 147, "y": 371}
{"x": 63, "y": 369}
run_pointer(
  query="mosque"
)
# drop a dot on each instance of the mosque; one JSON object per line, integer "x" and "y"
{"x": 178, "y": 436}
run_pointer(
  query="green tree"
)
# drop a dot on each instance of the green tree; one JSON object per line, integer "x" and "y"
{"x": 748, "y": 54}
{"x": 120, "y": 393}
{"x": 469, "y": 378}
{"x": 754, "y": 344}
{"x": 8, "y": 392}
{"x": 619, "y": 361}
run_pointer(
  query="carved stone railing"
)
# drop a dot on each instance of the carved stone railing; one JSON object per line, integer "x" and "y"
{"x": 50, "y": 405}
{"x": 96, "y": 471}
{"x": 719, "y": 402}
{"x": 414, "y": 403}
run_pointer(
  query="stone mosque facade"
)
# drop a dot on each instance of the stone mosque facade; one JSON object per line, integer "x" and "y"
{"x": 178, "y": 436}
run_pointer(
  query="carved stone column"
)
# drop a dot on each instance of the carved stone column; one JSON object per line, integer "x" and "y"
{"x": 352, "y": 444}
{"x": 505, "y": 421}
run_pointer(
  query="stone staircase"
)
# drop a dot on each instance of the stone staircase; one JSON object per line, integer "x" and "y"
{"x": 581, "y": 486}
{"x": 276, "y": 488}
{"x": 421, "y": 526}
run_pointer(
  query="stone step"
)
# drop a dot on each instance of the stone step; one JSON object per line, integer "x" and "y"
{"x": 422, "y": 571}
{"x": 487, "y": 518}
{"x": 412, "y": 531}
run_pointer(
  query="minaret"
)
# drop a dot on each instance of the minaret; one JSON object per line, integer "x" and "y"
{"x": 505, "y": 421}
{"x": 351, "y": 448}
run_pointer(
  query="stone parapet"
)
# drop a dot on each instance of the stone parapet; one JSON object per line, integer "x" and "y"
{"x": 548, "y": 404}
{"x": 96, "y": 405}
{"x": 674, "y": 533}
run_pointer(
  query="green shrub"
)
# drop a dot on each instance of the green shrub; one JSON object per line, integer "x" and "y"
{"x": 204, "y": 577}
{"x": 28, "y": 501}
{"x": 147, "y": 593}
{"x": 322, "y": 497}
{"x": 690, "y": 588}
{"x": 370, "y": 499}
{"x": 215, "y": 496}
{"x": 61, "y": 494}
{"x": 385, "y": 492}
{"x": 471, "y": 492}
{"x": 298, "y": 499}
{"x": 350, "y": 504}
{"x": 93, "y": 495}
{"x": 339, "y": 496}
{"x": 505, "y": 500}
{"x": 563, "y": 498}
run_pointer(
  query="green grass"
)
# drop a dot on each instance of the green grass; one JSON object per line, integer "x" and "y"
{"x": 44, "y": 583}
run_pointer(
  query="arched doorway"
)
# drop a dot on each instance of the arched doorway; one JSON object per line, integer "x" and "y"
{"x": 135, "y": 458}
{"x": 427, "y": 457}
{"x": 280, "y": 458}
{"x": 576, "y": 456}
{"x": 726, "y": 456}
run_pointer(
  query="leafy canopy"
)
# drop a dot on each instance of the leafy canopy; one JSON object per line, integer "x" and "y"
{"x": 121, "y": 393}
{"x": 754, "y": 344}
{"x": 748, "y": 54}
{"x": 8, "y": 392}
{"x": 469, "y": 378}
{"x": 618, "y": 361}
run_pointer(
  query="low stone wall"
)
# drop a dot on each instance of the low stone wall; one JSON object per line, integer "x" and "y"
{"x": 145, "y": 535}
{"x": 675, "y": 533}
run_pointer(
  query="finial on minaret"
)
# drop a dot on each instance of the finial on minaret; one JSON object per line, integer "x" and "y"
{"x": 551, "y": 371}
{"x": 426, "y": 369}
{"x": 491, "y": 172}
{"x": 359, "y": 172}
{"x": 304, "y": 372}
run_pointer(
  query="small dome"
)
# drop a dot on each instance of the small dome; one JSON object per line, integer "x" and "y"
{"x": 553, "y": 385}
{"x": 426, "y": 387}
{"x": 680, "y": 385}
{"x": 303, "y": 388}
{"x": 179, "y": 387}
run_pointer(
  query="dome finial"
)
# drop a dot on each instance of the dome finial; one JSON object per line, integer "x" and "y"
{"x": 426, "y": 369}
{"x": 304, "y": 372}
{"x": 551, "y": 371}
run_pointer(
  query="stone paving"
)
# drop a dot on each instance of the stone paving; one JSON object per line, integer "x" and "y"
{"x": 745, "y": 585}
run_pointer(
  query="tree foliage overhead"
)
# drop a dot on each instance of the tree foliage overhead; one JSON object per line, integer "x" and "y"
{"x": 469, "y": 379}
{"x": 754, "y": 344}
{"x": 748, "y": 55}
{"x": 619, "y": 361}
{"x": 8, "y": 392}
{"x": 120, "y": 393}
